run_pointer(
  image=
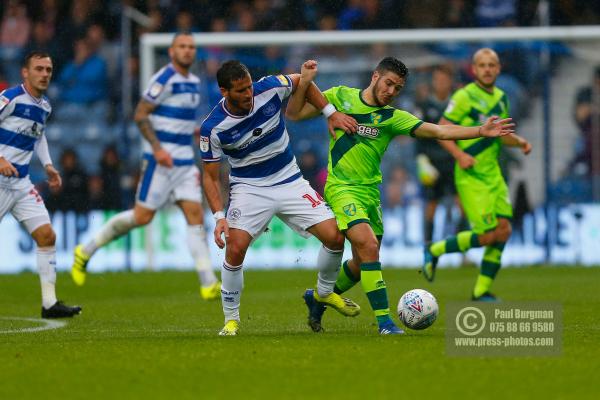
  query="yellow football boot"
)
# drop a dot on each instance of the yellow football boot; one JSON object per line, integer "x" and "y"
{"x": 341, "y": 304}
{"x": 231, "y": 328}
{"x": 211, "y": 292}
{"x": 78, "y": 270}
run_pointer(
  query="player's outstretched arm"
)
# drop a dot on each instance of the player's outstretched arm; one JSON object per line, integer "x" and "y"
{"x": 211, "y": 186}
{"x": 464, "y": 160}
{"x": 493, "y": 127}
{"x": 297, "y": 107}
{"x": 142, "y": 119}
{"x": 307, "y": 102}
{"x": 514, "y": 140}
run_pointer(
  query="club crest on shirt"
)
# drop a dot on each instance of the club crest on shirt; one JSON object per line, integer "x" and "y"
{"x": 204, "y": 144}
{"x": 269, "y": 109}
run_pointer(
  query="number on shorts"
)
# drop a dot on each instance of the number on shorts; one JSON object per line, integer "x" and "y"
{"x": 314, "y": 202}
{"x": 35, "y": 193}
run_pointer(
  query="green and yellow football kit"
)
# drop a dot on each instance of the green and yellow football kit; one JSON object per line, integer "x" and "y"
{"x": 482, "y": 189}
{"x": 354, "y": 175}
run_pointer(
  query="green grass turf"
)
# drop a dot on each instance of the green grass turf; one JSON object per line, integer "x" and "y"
{"x": 148, "y": 335}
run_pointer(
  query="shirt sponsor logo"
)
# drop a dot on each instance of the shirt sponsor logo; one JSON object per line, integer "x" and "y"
{"x": 368, "y": 131}
{"x": 204, "y": 144}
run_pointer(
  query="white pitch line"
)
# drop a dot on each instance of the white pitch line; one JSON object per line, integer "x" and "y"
{"x": 48, "y": 324}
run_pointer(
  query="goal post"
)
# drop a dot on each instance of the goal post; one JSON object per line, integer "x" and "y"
{"x": 559, "y": 59}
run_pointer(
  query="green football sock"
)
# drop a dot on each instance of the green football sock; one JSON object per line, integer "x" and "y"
{"x": 462, "y": 242}
{"x": 490, "y": 265}
{"x": 375, "y": 289}
{"x": 345, "y": 280}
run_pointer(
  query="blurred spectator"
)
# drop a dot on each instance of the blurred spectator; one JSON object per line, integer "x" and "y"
{"x": 14, "y": 33}
{"x": 15, "y": 25}
{"x": 83, "y": 85}
{"x": 73, "y": 195}
{"x": 184, "y": 22}
{"x": 490, "y": 13}
{"x": 399, "y": 188}
{"x": 110, "y": 175}
{"x": 587, "y": 117}
{"x": 457, "y": 14}
{"x": 42, "y": 39}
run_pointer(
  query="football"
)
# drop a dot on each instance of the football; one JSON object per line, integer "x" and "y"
{"x": 417, "y": 309}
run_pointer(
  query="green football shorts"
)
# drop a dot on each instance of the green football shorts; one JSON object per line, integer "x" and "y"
{"x": 353, "y": 204}
{"x": 484, "y": 203}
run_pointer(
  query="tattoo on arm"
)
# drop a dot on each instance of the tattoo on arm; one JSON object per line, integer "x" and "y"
{"x": 148, "y": 132}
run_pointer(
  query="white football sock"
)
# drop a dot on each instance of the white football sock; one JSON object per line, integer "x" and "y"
{"x": 232, "y": 282}
{"x": 196, "y": 241}
{"x": 114, "y": 228}
{"x": 328, "y": 263}
{"x": 46, "y": 263}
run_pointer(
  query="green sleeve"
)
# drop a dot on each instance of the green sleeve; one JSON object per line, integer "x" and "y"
{"x": 331, "y": 95}
{"x": 458, "y": 107}
{"x": 404, "y": 123}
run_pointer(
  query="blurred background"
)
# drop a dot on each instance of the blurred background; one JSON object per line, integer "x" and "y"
{"x": 553, "y": 87}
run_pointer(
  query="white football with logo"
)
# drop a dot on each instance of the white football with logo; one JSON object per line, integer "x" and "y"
{"x": 417, "y": 309}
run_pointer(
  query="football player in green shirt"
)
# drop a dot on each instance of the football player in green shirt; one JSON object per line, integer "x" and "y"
{"x": 479, "y": 181}
{"x": 354, "y": 173}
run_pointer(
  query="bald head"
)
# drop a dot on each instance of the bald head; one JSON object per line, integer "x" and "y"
{"x": 183, "y": 50}
{"x": 485, "y": 52}
{"x": 486, "y": 68}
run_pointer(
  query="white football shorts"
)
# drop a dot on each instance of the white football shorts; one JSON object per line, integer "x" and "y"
{"x": 296, "y": 203}
{"x": 26, "y": 205}
{"x": 161, "y": 185}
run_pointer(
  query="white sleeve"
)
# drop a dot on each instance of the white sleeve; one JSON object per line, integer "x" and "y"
{"x": 6, "y": 107}
{"x": 41, "y": 149}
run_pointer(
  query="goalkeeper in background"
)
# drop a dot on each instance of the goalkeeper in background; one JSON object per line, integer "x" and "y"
{"x": 354, "y": 174}
{"x": 434, "y": 164}
{"x": 479, "y": 181}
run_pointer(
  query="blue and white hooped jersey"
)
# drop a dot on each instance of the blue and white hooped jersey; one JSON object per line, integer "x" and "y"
{"x": 257, "y": 145}
{"x": 22, "y": 123}
{"x": 174, "y": 119}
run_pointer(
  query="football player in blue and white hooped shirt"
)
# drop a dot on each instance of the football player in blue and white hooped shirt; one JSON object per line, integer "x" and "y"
{"x": 23, "y": 113}
{"x": 247, "y": 127}
{"x": 166, "y": 117}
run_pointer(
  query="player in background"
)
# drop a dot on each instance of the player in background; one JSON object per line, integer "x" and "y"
{"x": 24, "y": 111}
{"x": 434, "y": 164}
{"x": 354, "y": 175}
{"x": 479, "y": 181}
{"x": 247, "y": 127}
{"x": 166, "y": 117}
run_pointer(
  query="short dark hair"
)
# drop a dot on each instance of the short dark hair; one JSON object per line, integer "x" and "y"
{"x": 33, "y": 54}
{"x": 394, "y": 65}
{"x": 445, "y": 69}
{"x": 230, "y": 71}
{"x": 181, "y": 33}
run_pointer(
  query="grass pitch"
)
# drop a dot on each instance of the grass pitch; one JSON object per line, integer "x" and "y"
{"x": 148, "y": 335}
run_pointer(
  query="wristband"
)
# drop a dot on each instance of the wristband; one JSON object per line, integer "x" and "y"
{"x": 219, "y": 215}
{"x": 328, "y": 110}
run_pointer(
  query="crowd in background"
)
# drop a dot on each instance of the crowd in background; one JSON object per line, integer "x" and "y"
{"x": 84, "y": 39}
